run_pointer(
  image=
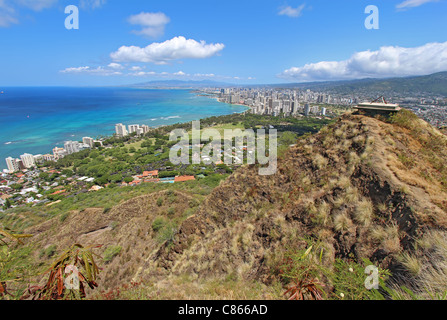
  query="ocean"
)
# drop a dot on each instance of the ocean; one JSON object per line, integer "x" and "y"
{"x": 37, "y": 119}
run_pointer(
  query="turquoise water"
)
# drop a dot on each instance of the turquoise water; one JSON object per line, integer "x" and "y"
{"x": 35, "y": 120}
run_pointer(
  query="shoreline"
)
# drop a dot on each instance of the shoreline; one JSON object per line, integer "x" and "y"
{"x": 231, "y": 104}
{"x": 103, "y": 137}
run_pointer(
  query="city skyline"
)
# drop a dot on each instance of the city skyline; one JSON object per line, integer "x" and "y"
{"x": 246, "y": 42}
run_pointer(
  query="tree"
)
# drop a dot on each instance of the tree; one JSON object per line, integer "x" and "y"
{"x": 102, "y": 181}
{"x": 128, "y": 179}
{"x": 67, "y": 172}
{"x": 116, "y": 178}
{"x": 44, "y": 175}
{"x": 7, "y": 204}
{"x": 16, "y": 186}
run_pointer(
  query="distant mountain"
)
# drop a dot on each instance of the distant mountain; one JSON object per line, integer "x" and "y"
{"x": 435, "y": 84}
{"x": 432, "y": 84}
{"x": 181, "y": 84}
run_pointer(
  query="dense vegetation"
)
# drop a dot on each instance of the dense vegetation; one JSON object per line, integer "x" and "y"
{"x": 121, "y": 158}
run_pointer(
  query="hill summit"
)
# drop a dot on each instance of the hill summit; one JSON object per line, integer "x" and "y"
{"x": 364, "y": 187}
{"x": 361, "y": 188}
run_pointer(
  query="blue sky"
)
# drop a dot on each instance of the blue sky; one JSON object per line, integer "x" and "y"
{"x": 246, "y": 41}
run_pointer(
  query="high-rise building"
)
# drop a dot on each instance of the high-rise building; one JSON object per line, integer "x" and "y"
{"x": 48, "y": 157}
{"x": 38, "y": 158}
{"x": 27, "y": 160}
{"x": 59, "y": 153}
{"x": 12, "y": 164}
{"x": 234, "y": 98}
{"x": 71, "y": 146}
{"x": 89, "y": 141}
{"x": 306, "y": 109}
{"x": 133, "y": 128}
{"x": 121, "y": 130}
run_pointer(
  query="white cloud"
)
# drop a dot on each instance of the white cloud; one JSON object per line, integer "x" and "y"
{"x": 7, "y": 15}
{"x": 91, "y": 4}
{"x": 388, "y": 61}
{"x": 136, "y": 68}
{"x": 115, "y": 66}
{"x": 413, "y": 3}
{"x": 9, "y": 9}
{"x": 101, "y": 71}
{"x": 153, "y": 24}
{"x": 163, "y": 74}
{"x": 162, "y": 53}
{"x": 291, "y": 12}
{"x": 142, "y": 73}
{"x": 37, "y": 5}
{"x": 114, "y": 69}
{"x": 204, "y": 75}
{"x": 7, "y": 19}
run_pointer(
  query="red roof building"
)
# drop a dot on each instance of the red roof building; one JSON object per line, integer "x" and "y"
{"x": 149, "y": 174}
{"x": 58, "y": 192}
{"x": 184, "y": 178}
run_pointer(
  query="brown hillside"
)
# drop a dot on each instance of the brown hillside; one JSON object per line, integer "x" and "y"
{"x": 127, "y": 228}
{"x": 365, "y": 187}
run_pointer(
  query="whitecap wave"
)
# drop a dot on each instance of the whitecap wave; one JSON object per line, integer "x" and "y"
{"x": 170, "y": 117}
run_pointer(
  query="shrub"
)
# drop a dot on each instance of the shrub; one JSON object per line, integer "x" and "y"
{"x": 64, "y": 216}
{"x": 404, "y": 118}
{"x": 158, "y": 223}
{"x": 302, "y": 271}
{"x": 50, "y": 251}
{"x": 113, "y": 225}
{"x": 111, "y": 252}
{"x": 348, "y": 278}
{"x": 167, "y": 233}
{"x": 168, "y": 174}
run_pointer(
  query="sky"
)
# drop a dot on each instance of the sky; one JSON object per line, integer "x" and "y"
{"x": 243, "y": 42}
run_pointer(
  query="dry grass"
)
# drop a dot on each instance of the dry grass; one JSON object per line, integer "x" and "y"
{"x": 319, "y": 161}
{"x": 434, "y": 268}
{"x": 354, "y": 159}
{"x": 323, "y": 214}
{"x": 364, "y": 212}
{"x": 342, "y": 222}
{"x": 387, "y": 237}
{"x": 411, "y": 263}
{"x": 184, "y": 287}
